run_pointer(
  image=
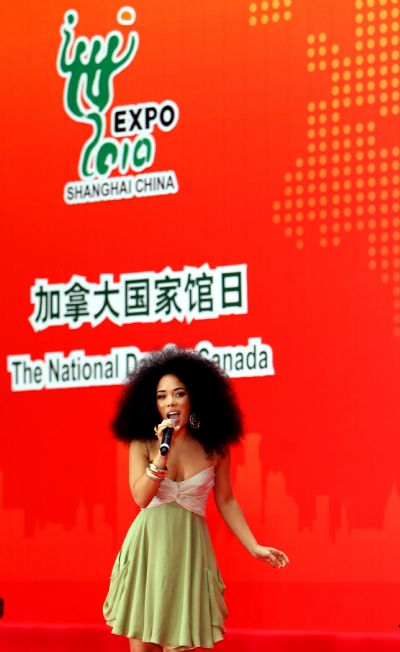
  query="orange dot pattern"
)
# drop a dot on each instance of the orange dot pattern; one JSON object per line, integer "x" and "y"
{"x": 269, "y": 11}
{"x": 347, "y": 182}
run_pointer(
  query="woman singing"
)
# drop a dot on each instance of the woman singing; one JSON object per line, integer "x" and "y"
{"x": 166, "y": 590}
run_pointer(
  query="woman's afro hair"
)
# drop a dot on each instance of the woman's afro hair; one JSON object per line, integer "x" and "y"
{"x": 211, "y": 396}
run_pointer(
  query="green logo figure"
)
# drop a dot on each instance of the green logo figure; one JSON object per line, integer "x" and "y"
{"x": 89, "y": 67}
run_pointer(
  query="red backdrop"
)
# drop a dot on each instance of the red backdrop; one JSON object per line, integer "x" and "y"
{"x": 286, "y": 158}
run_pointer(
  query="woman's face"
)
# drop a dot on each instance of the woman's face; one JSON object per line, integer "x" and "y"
{"x": 173, "y": 400}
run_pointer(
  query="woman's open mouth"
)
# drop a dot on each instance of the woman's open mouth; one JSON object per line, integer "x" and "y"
{"x": 174, "y": 416}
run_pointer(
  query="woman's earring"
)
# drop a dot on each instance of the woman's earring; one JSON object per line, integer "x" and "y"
{"x": 194, "y": 421}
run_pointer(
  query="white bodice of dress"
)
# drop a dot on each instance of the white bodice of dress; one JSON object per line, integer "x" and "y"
{"x": 191, "y": 493}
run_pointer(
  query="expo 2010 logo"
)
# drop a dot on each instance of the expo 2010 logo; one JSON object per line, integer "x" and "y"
{"x": 114, "y": 157}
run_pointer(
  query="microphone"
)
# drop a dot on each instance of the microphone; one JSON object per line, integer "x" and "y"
{"x": 166, "y": 439}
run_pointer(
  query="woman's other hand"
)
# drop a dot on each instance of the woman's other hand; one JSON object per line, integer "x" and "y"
{"x": 272, "y": 556}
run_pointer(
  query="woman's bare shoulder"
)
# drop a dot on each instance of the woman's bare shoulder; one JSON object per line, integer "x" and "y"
{"x": 221, "y": 459}
{"x": 139, "y": 447}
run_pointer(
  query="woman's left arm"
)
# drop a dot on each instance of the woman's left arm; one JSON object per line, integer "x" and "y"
{"x": 233, "y": 516}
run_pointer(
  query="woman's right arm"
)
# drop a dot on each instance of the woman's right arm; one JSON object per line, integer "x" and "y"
{"x": 142, "y": 487}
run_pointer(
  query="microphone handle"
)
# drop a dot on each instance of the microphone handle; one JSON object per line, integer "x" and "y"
{"x": 166, "y": 440}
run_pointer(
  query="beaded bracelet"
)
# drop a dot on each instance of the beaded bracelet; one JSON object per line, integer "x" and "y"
{"x": 158, "y": 475}
{"x": 158, "y": 470}
{"x": 152, "y": 475}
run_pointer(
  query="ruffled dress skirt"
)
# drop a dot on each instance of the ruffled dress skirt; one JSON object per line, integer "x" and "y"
{"x": 165, "y": 585}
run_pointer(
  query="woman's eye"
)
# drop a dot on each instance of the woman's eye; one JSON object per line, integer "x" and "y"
{"x": 180, "y": 394}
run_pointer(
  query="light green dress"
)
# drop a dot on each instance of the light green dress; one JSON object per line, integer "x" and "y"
{"x": 165, "y": 585}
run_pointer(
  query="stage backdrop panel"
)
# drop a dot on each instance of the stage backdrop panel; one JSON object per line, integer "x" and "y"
{"x": 223, "y": 175}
